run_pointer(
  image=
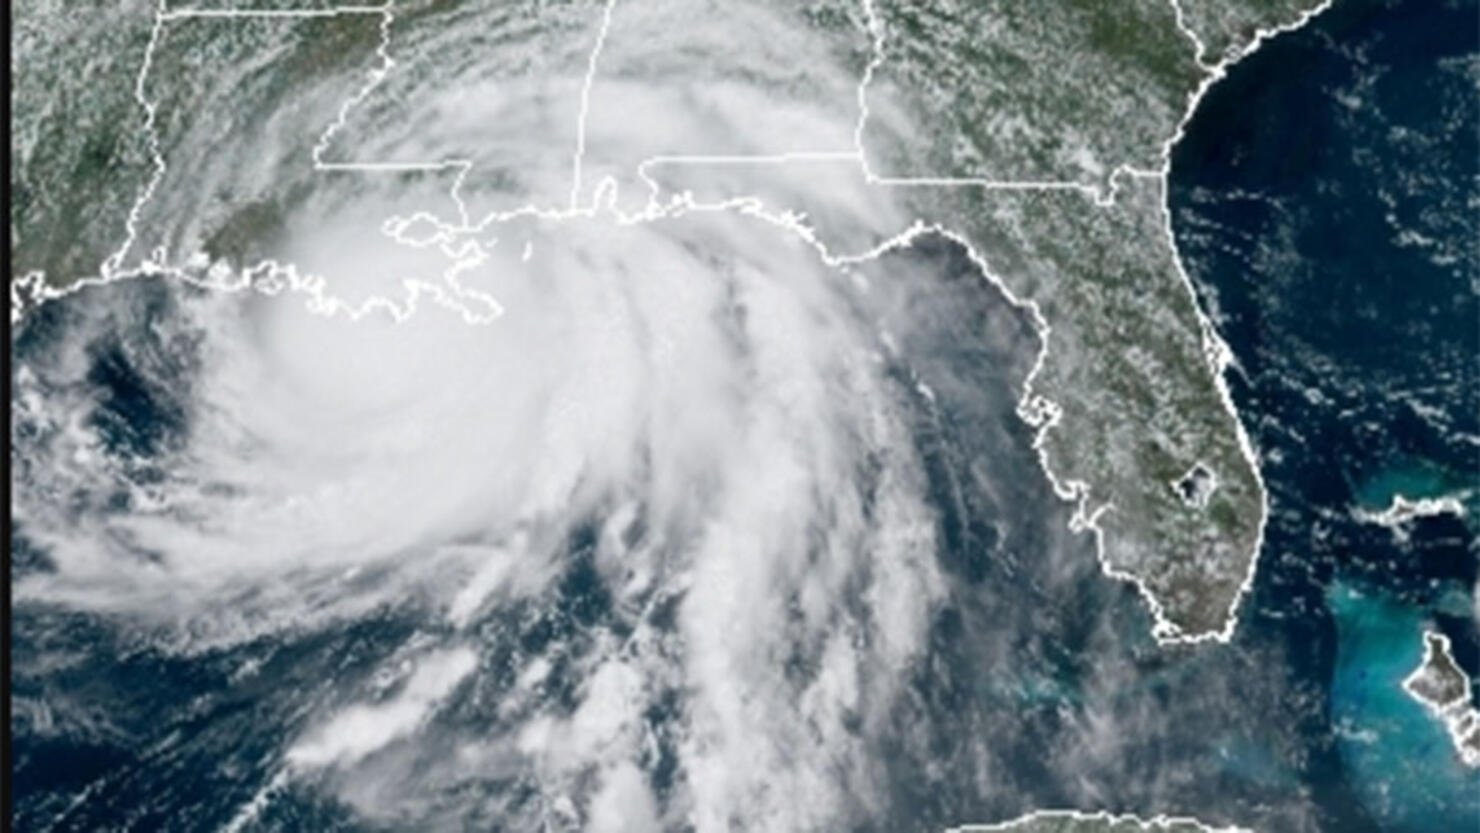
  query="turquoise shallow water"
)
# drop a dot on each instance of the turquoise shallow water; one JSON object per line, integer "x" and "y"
{"x": 1297, "y": 183}
{"x": 1400, "y": 757}
{"x": 1415, "y": 479}
{"x": 1324, "y": 203}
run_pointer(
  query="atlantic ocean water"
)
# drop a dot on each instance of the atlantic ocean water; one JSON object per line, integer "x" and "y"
{"x": 1324, "y": 201}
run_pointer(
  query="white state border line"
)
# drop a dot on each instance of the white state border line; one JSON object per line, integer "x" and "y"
{"x": 330, "y": 11}
{"x": 1199, "y": 49}
{"x": 590, "y": 80}
{"x": 1043, "y": 413}
{"x": 876, "y": 29}
{"x": 30, "y": 288}
{"x": 1157, "y": 822}
{"x": 1217, "y": 350}
{"x": 1037, "y": 410}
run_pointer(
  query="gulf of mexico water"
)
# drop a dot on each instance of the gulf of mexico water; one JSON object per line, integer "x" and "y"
{"x": 1325, "y": 201}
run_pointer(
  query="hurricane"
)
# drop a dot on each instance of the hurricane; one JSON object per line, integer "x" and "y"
{"x": 592, "y": 415}
{"x": 531, "y": 358}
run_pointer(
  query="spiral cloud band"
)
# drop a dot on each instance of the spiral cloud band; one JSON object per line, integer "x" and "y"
{"x": 585, "y": 337}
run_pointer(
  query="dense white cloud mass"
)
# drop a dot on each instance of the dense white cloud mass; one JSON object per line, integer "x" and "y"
{"x": 700, "y": 394}
{"x": 703, "y": 391}
{"x": 532, "y": 415}
{"x": 360, "y": 730}
{"x": 695, "y": 408}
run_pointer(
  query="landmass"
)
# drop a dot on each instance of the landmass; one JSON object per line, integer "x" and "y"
{"x": 1401, "y": 513}
{"x": 1044, "y": 148}
{"x": 1074, "y": 821}
{"x": 78, "y": 158}
{"x": 1129, "y": 396}
{"x": 1404, "y": 510}
{"x": 1444, "y": 690}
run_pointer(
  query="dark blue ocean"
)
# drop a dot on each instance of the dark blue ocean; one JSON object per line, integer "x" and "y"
{"x": 1325, "y": 201}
